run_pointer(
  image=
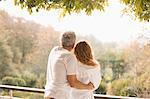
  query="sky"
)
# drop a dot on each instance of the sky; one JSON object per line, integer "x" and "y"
{"x": 108, "y": 26}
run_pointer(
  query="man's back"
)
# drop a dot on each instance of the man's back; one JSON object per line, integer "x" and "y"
{"x": 57, "y": 83}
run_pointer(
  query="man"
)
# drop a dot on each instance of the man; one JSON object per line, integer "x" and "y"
{"x": 61, "y": 70}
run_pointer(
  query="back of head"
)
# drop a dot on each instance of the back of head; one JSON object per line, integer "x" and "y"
{"x": 83, "y": 53}
{"x": 68, "y": 39}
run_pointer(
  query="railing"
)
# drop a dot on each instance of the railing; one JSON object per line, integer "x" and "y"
{"x": 36, "y": 90}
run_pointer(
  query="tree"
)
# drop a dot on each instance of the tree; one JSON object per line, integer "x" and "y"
{"x": 140, "y": 8}
{"x": 5, "y": 59}
{"x": 24, "y": 46}
{"x": 67, "y": 6}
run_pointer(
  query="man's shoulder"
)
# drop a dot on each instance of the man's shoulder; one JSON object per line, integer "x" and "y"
{"x": 68, "y": 55}
{"x": 55, "y": 48}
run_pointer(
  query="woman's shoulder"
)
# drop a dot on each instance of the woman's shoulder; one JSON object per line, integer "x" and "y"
{"x": 98, "y": 63}
{"x": 96, "y": 67}
{"x": 89, "y": 66}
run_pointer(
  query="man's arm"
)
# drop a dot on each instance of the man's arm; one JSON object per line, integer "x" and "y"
{"x": 71, "y": 67}
{"x": 77, "y": 84}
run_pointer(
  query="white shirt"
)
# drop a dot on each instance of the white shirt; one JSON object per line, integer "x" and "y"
{"x": 61, "y": 63}
{"x": 86, "y": 74}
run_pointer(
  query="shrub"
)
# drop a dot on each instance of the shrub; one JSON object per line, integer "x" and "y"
{"x": 41, "y": 81}
{"x": 30, "y": 79}
{"x": 128, "y": 91}
{"x": 20, "y": 82}
{"x": 102, "y": 88}
{"x": 119, "y": 85}
{"x": 13, "y": 81}
{"x": 8, "y": 81}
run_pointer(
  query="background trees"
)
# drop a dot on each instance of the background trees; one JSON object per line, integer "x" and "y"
{"x": 25, "y": 45}
{"x": 24, "y": 48}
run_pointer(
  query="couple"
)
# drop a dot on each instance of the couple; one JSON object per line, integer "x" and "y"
{"x": 72, "y": 75}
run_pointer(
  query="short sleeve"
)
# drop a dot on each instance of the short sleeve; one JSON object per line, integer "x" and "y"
{"x": 71, "y": 64}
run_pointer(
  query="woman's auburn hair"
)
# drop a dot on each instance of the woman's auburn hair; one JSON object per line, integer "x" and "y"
{"x": 84, "y": 54}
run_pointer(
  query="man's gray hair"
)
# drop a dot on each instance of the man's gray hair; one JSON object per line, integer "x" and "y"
{"x": 68, "y": 39}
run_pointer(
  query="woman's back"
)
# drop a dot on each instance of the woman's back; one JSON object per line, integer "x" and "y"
{"x": 88, "y": 70}
{"x": 86, "y": 74}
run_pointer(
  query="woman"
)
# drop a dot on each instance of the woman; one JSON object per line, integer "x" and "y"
{"x": 88, "y": 70}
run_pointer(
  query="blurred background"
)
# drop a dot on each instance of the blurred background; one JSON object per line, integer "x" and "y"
{"x": 120, "y": 43}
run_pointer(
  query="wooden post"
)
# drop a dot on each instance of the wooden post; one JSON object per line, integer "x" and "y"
{"x": 11, "y": 94}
